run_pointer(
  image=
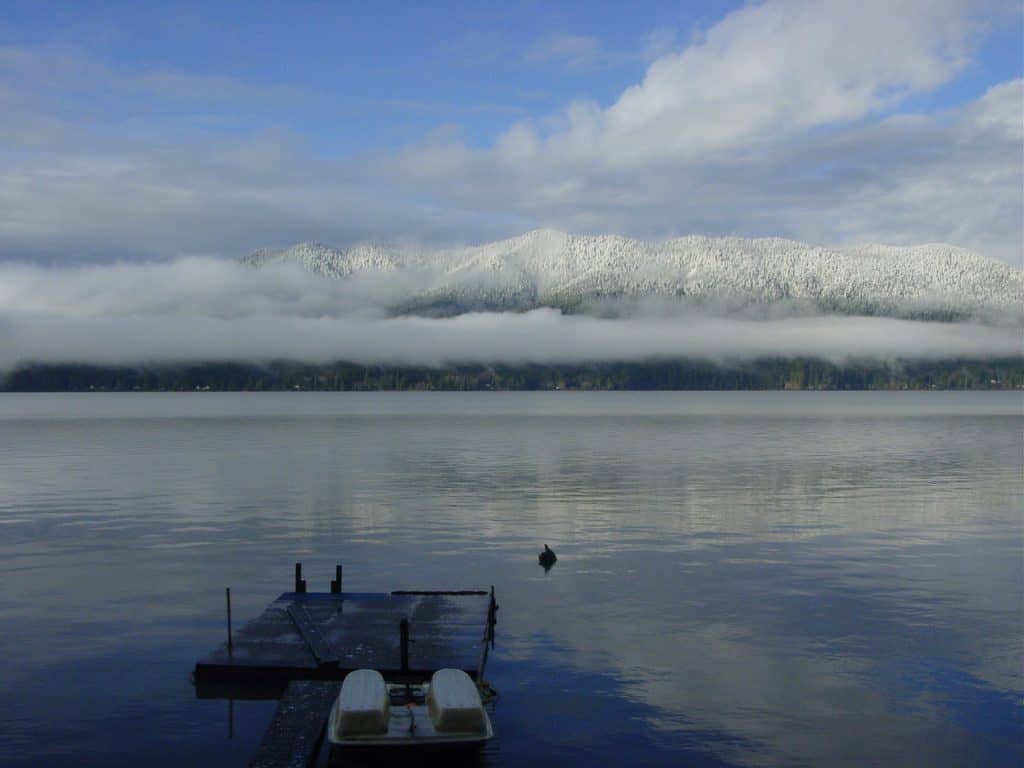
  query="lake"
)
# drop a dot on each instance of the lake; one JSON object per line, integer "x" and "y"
{"x": 750, "y": 578}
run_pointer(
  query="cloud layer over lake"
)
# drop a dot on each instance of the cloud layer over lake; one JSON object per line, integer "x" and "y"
{"x": 208, "y": 309}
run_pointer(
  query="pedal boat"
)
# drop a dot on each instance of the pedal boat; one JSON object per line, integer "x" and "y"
{"x": 371, "y": 714}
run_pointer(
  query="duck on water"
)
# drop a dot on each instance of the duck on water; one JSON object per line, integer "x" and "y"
{"x": 547, "y": 557}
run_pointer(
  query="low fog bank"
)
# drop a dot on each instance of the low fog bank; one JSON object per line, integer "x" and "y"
{"x": 540, "y": 336}
{"x": 197, "y": 310}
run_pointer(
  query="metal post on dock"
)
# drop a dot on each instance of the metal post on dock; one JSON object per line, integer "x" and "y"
{"x": 492, "y": 616}
{"x": 487, "y": 641}
{"x": 494, "y": 613}
{"x": 227, "y": 591}
{"x": 403, "y": 630}
{"x": 300, "y": 583}
{"x": 336, "y": 584}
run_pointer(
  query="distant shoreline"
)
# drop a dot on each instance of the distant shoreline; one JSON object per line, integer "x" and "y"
{"x": 675, "y": 375}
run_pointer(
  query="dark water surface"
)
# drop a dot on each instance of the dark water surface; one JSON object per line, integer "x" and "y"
{"x": 743, "y": 578}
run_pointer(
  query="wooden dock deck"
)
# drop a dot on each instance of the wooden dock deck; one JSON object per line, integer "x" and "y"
{"x": 325, "y": 635}
{"x": 304, "y": 643}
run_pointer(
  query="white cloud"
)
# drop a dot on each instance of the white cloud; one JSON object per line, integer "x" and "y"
{"x": 775, "y": 68}
{"x": 953, "y": 176}
{"x": 775, "y": 121}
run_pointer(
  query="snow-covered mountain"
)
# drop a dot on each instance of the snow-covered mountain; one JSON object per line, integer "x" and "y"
{"x": 584, "y": 273}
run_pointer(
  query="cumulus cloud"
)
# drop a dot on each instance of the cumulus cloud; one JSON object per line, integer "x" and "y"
{"x": 774, "y": 68}
{"x": 197, "y": 309}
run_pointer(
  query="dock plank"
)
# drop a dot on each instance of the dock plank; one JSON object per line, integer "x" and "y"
{"x": 295, "y": 734}
{"x": 322, "y": 650}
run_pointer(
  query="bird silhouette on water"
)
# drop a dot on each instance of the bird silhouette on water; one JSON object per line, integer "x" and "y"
{"x": 547, "y": 558}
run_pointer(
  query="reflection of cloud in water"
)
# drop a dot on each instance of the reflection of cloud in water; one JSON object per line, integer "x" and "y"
{"x": 699, "y": 478}
{"x": 807, "y": 586}
{"x": 794, "y": 658}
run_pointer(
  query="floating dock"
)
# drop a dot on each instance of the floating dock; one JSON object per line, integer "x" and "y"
{"x": 304, "y": 643}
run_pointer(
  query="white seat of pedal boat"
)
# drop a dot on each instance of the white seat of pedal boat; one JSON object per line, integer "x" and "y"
{"x": 363, "y": 704}
{"x": 454, "y": 702}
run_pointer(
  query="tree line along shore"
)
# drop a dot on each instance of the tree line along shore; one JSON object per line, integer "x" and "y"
{"x": 764, "y": 374}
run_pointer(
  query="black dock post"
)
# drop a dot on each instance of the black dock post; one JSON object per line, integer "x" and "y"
{"x": 336, "y": 584}
{"x": 227, "y": 591}
{"x": 487, "y": 641}
{"x": 300, "y": 583}
{"x": 492, "y": 616}
{"x": 403, "y": 629}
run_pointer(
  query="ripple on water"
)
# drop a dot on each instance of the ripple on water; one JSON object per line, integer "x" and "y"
{"x": 757, "y": 580}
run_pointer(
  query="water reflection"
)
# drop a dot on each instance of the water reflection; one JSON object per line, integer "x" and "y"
{"x": 764, "y": 580}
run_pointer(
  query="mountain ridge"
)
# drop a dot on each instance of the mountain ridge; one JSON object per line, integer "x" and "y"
{"x": 581, "y": 273}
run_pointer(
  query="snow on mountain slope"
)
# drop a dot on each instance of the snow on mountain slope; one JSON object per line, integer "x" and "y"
{"x": 549, "y": 268}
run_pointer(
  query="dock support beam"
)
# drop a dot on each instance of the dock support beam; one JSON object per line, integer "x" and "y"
{"x": 300, "y": 583}
{"x": 227, "y": 592}
{"x": 336, "y": 584}
{"x": 403, "y": 630}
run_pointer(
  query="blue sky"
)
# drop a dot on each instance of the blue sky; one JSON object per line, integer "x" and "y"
{"x": 373, "y": 77}
{"x": 161, "y": 129}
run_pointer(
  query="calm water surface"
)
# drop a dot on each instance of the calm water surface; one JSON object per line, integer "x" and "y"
{"x": 743, "y": 578}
